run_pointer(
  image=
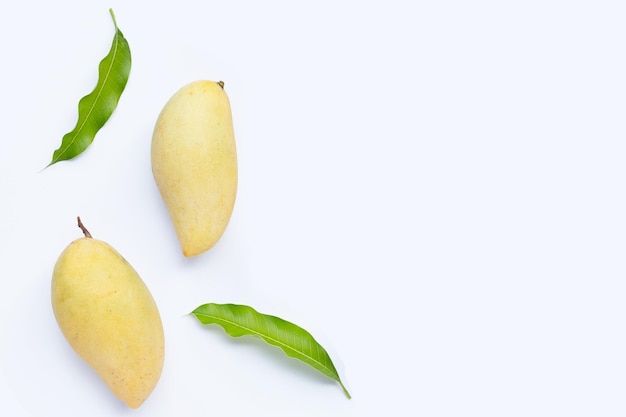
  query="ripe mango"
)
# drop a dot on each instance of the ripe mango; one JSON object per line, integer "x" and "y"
{"x": 194, "y": 163}
{"x": 108, "y": 316}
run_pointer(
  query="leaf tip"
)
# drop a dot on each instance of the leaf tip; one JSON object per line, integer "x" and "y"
{"x": 195, "y": 311}
{"x": 52, "y": 162}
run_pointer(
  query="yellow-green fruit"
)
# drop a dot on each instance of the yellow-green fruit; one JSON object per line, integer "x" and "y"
{"x": 194, "y": 162}
{"x": 109, "y": 317}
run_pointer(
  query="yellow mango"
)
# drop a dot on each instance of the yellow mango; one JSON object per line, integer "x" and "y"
{"x": 194, "y": 163}
{"x": 108, "y": 316}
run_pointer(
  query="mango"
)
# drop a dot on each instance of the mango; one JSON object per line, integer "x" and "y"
{"x": 194, "y": 164}
{"x": 108, "y": 316}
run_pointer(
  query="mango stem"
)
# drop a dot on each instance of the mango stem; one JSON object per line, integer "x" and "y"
{"x": 83, "y": 228}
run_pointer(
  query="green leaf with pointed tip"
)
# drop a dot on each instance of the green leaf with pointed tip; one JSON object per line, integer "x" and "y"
{"x": 240, "y": 320}
{"x": 95, "y": 109}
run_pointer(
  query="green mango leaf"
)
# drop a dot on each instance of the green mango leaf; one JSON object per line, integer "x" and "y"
{"x": 240, "y": 320}
{"x": 96, "y": 108}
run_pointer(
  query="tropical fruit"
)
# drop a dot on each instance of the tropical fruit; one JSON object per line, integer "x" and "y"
{"x": 109, "y": 317}
{"x": 194, "y": 163}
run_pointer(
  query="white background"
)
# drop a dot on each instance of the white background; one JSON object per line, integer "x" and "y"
{"x": 435, "y": 190}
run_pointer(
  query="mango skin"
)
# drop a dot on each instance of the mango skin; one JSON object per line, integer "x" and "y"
{"x": 194, "y": 163}
{"x": 108, "y": 316}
